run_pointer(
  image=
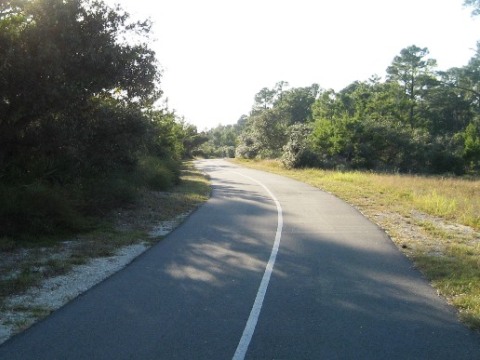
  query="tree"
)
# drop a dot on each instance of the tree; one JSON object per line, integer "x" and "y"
{"x": 412, "y": 71}
{"x": 298, "y": 152}
{"x": 264, "y": 98}
{"x": 62, "y": 61}
{"x": 296, "y": 104}
{"x": 264, "y": 135}
{"x": 471, "y": 152}
{"x": 279, "y": 89}
{"x": 475, "y": 4}
{"x": 191, "y": 139}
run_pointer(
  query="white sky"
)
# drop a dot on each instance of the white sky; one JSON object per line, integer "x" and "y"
{"x": 217, "y": 54}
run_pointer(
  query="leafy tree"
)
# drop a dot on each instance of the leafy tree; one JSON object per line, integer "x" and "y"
{"x": 191, "y": 139}
{"x": 62, "y": 62}
{"x": 445, "y": 109}
{"x": 296, "y": 104}
{"x": 241, "y": 122}
{"x": 279, "y": 89}
{"x": 76, "y": 118}
{"x": 327, "y": 107}
{"x": 471, "y": 152}
{"x": 475, "y": 4}
{"x": 264, "y": 98}
{"x": 413, "y": 72}
{"x": 165, "y": 136}
{"x": 269, "y": 133}
{"x": 297, "y": 152}
{"x": 363, "y": 125}
{"x": 222, "y": 142}
{"x": 265, "y": 132}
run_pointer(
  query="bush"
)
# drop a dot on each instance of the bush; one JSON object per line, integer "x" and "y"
{"x": 297, "y": 152}
{"x": 159, "y": 174}
{"x": 45, "y": 208}
{"x": 37, "y": 210}
{"x": 100, "y": 195}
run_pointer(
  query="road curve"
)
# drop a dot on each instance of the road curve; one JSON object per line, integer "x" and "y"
{"x": 337, "y": 289}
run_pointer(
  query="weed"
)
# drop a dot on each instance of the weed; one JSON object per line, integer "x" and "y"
{"x": 158, "y": 174}
{"x": 55, "y": 267}
{"x": 19, "y": 283}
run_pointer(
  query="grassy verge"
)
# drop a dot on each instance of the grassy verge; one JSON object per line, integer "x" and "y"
{"x": 25, "y": 264}
{"x": 433, "y": 220}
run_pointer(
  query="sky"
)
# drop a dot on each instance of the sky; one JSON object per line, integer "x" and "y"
{"x": 217, "y": 54}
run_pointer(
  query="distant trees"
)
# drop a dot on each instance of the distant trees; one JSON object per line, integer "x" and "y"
{"x": 266, "y": 129}
{"x": 417, "y": 120}
{"x": 413, "y": 72}
{"x": 221, "y": 141}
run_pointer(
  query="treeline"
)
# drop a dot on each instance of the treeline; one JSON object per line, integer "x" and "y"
{"x": 79, "y": 132}
{"x": 416, "y": 120}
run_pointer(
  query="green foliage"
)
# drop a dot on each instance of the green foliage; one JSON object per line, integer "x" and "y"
{"x": 221, "y": 142}
{"x": 412, "y": 72}
{"x": 71, "y": 93}
{"x": 159, "y": 174}
{"x": 37, "y": 210}
{"x": 101, "y": 195}
{"x": 264, "y": 98}
{"x": 471, "y": 151}
{"x": 297, "y": 152}
{"x": 415, "y": 121}
{"x": 191, "y": 140}
{"x": 247, "y": 148}
{"x": 295, "y": 104}
{"x": 79, "y": 135}
{"x": 165, "y": 135}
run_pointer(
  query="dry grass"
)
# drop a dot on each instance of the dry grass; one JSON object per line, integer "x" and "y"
{"x": 433, "y": 220}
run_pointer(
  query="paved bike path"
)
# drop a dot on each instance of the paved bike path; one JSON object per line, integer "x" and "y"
{"x": 339, "y": 288}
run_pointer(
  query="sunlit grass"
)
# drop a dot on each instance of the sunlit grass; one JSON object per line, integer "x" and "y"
{"x": 447, "y": 254}
{"x": 454, "y": 199}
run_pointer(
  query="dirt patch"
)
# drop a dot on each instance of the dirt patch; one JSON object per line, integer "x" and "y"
{"x": 423, "y": 233}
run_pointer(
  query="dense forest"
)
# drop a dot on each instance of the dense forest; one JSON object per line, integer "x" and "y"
{"x": 79, "y": 130}
{"x": 417, "y": 120}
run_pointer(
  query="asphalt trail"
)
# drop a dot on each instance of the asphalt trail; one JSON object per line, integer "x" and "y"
{"x": 338, "y": 288}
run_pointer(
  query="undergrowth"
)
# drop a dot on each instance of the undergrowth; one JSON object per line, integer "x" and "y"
{"x": 46, "y": 208}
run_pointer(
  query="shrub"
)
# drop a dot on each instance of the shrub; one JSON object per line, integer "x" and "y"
{"x": 159, "y": 174}
{"x": 37, "y": 210}
{"x": 100, "y": 195}
{"x": 297, "y": 152}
